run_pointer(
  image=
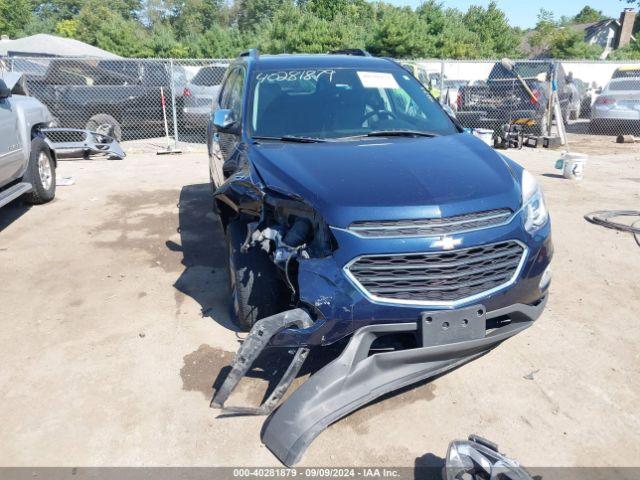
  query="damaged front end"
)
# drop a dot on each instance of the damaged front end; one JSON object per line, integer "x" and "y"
{"x": 388, "y": 345}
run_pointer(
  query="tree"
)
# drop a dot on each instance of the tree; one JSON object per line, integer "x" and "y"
{"x": 195, "y": 16}
{"x": 628, "y": 52}
{"x": 567, "y": 43}
{"x": 252, "y": 14}
{"x": 402, "y": 34}
{"x": 589, "y": 15}
{"x": 67, "y": 28}
{"x": 14, "y": 15}
{"x": 496, "y": 36}
{"x": 101, "y": 26}
{"x": 295, "y": 30}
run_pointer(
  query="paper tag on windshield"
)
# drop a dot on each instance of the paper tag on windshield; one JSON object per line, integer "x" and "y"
{"x": 377, "y": 80}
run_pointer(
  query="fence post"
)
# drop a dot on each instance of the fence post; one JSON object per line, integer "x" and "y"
{"x": 441, "y": 79}
{"x": 173, "y": 106}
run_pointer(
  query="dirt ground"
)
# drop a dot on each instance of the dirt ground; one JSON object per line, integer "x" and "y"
{"x": 115, "y": 326}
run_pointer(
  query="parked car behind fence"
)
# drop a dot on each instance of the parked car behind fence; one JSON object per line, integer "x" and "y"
{"x": 617, "y": 109}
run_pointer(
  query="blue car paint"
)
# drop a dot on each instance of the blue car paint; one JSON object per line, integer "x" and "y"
{"x": 383, "y": 179}
{"x": 395, "y": 178}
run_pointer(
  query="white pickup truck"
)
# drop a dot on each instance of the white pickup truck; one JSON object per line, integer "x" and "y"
{"x": 30, "y": 147}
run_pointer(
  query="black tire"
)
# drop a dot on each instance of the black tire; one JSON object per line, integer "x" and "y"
{"x": 105, "y": 124}
{"x": 256, "y": 288}
{"x": 44, "y": 190}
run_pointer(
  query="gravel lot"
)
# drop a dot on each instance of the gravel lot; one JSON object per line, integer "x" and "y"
{"x": 115, "y": 326}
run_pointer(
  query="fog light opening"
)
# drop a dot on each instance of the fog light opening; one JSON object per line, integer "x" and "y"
{"x": 545, "y": 280}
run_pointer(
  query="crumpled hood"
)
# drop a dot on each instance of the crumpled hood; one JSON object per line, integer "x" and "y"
{"x": 390, "y": 178}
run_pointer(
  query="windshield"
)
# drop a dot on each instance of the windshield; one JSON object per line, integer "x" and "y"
{"x": 627, "y": 73}
{"x": 342, "y": 102}
{"x": 209, "y": 76}
{"x": 527, "y": 70}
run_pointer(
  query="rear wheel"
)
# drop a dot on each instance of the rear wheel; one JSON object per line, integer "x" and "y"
{"x": 256, "y": 288}
{"x": 41, "y": 173}
{"x": 106, "y": 125}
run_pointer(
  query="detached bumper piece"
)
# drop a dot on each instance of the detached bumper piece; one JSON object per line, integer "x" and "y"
{"x": 449, "y": 338}
{"x": 78, "y": 143}
{"x": 253, "y": 345}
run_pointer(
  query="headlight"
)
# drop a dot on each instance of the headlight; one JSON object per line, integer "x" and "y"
{"x": 534, "y": 210}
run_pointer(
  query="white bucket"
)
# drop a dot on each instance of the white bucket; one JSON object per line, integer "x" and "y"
{"x": 484, "y": 134}
{"x": 572, "y": 165}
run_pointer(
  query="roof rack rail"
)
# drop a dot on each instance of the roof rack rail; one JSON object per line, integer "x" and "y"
{"x": 251, "y": 53}
{"x": 356, "y": 52}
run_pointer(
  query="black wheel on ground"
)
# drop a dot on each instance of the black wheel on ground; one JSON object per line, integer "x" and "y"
{"x": 256, "y": 288}
{"x": 105, "y": 124}
{"x": 41, "y": 173}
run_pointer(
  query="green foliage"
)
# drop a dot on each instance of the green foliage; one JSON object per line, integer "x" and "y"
{"x": 629, "y": 52}
{"x": 67, "y": 28}
{"x": 296, "y": 30}
{"x": 495, "y": 36}
{"x": 568, "y": 43}
{"x": 253, "y": 14}
{"x": 222, "y": 28}
{"x": 100, "y": 25}
{"x": 560, "y": 40}
{"x": 589, "y": 15}
{"x": 401, "y": 33}
{"x": 14, "y": 14}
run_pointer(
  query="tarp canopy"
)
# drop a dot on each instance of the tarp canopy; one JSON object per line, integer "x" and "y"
{"x": 46, "y": 45}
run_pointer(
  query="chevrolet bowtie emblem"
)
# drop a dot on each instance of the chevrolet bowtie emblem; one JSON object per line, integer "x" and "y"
{"x": 447, "y": 243}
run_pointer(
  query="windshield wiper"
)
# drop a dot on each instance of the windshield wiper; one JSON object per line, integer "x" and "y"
{"x": 290, "y": 138}
{"x": 400, "y": 133}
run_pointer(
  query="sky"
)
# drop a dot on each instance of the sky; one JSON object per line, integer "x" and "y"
{"x": 523, "y": 13}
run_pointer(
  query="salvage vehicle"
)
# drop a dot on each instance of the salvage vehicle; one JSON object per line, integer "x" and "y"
{"x": 357, "y": 212}
{"x": 117, "y": 98}
{"x": 617, "y": 108}
{"x": 30, "y": 147}
{"x": 504, "y": 99}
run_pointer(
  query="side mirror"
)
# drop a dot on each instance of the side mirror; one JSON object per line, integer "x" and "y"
{"x": 599, "y": 90}
{"x": 224, "y": 121}
{"x": 5, "y": 92}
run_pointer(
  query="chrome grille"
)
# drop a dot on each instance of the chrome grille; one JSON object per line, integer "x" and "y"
{"x": 438, "y": 276}
{"x": 431, "y": 226}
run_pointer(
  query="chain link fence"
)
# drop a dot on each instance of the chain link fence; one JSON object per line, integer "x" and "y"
{"x": 149, "y": 102}
{"x": 595, "y": 97}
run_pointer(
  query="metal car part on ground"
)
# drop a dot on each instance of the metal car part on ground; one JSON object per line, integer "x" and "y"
{"x": 77, "y": 143}
{"x": 358, "y": 213}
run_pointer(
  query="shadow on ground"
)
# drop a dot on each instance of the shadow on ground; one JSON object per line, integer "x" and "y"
{"x": 12, "y": 212}
{"x": 203, "y": 251}
{"x": 429, "y": 467}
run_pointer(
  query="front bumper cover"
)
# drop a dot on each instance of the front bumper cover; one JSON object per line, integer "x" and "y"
{"x": 356, "y": 377}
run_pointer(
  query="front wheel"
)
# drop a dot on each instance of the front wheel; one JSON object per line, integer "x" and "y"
{"x": 256, "y": 288}
{"x": 41, "y": 173}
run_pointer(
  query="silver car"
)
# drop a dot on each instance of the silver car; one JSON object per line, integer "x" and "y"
{"x": 618, "y": 106}
{"x": 199, "y": 95}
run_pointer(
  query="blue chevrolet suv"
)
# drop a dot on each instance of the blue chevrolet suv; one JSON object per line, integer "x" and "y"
{"x": 358, "y": 213}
